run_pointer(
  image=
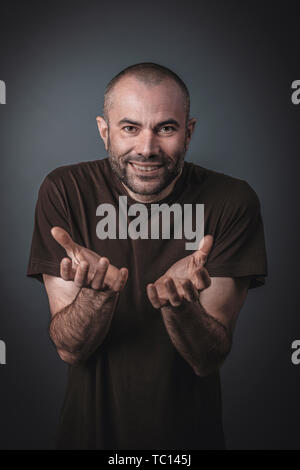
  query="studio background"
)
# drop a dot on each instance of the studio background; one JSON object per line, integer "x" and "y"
{"x": 238, "y": 60}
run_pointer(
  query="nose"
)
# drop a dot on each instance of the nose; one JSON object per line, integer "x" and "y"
{"x": 147, "y": 144}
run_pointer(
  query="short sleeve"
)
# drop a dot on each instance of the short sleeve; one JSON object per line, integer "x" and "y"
{"x": 46, "y": 254}
{"x": 239, "y": 246}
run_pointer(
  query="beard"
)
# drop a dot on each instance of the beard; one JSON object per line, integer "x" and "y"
{"x": 172, "y": 167}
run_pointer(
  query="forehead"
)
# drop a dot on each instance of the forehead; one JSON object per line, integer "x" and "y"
{"x": 133, "y": 98}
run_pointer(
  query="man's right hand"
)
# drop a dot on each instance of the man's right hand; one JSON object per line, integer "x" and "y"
{"x": 86, "y": 268}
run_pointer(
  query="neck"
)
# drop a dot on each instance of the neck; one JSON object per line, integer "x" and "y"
{"x": 153, "y": 197}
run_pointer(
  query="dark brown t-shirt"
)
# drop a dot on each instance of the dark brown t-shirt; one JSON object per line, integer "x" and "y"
{"x": 136, "y": 391}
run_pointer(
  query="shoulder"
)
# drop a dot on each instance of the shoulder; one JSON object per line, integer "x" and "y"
{"x": 66, "y": 179}
{"x": 232, "y": 190}
{"x": 77, "y": 170}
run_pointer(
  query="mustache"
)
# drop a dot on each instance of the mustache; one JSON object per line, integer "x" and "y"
{"x": 140, "y": 159}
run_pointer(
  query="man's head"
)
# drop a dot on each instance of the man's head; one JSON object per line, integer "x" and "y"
{"x": 146, "y": 127}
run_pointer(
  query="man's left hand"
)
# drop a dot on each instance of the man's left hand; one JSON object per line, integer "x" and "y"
{"x": 184, "y": 280}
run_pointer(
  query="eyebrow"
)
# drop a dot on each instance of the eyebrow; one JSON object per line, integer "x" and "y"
{"x": 162, "y": 123}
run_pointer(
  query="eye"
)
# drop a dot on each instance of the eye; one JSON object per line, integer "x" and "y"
{"x": 168, "y": 127}
{"x": 129, "y": 127}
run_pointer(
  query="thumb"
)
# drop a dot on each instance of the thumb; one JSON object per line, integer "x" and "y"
{"x": 204, "y": 248}
{"x": 63, "y": 238}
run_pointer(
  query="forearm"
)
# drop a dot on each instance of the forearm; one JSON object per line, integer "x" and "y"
{"x": 203, "y": 341}
{"x": 79, "y": 328}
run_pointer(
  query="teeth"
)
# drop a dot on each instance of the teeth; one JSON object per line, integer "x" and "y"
{"x": 146, "y": 168}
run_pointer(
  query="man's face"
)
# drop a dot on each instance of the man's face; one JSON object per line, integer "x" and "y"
{"x": 147, "y": 136}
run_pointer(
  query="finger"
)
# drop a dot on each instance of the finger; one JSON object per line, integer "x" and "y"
{"x": 153, "y": 296}
{"x": 206, "y": 278}
{"x": 81, "y": 274}
{"x": 190, "y": 292}
{"x": 98, "y": 280}
{"x": 65, "y": 269}
{"x": 205, "y": 246}
{"x": 174, "y": 298}
{"x": 121, "y": 280}
{"x": 63, "y": 238}
{"x": 203, "y": 280}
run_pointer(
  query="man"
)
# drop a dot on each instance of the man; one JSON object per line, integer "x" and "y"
{"x": 144, "y": 324}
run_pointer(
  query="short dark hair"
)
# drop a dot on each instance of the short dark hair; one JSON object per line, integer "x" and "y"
{"x": 149, "y": 73}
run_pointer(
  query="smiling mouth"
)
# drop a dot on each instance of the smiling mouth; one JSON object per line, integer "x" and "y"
{"x": 146, "y": 167}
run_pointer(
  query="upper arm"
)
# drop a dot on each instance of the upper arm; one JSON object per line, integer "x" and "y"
{"x": 60, "y": 293}
{"x": 224, "y": 298}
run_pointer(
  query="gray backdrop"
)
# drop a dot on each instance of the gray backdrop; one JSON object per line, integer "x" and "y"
{"x": 238, "y": 60}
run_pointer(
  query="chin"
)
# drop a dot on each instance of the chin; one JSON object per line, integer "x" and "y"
{"x": 149, "y": 191}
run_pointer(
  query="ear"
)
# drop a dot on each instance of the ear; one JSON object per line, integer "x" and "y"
{"x": 103, "y": 129}
{"x": 189, "y": 131}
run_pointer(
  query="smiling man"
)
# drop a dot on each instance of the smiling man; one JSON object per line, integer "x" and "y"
{"x": 144, "y": 324}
